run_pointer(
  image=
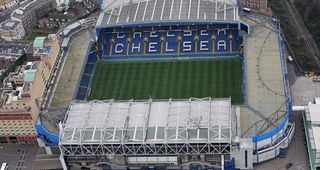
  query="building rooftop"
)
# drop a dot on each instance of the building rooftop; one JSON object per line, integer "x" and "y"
{"x": 70, "y": 28}
{"x": 30, "y": 7}
{"x": 29, "y": 75}
{"x": 316, "y": 136}
{"x": 314, "y": 110}
{"x": 6, "y": 62}
{"x": 123, "y": 12}
{"x": 9, "y": 25}
{"x": 60, "y": 15}
{"x": 12, "y": 49}
{"x": 170, "y": 121}
{"x": 317, "y": 100}
{"x": 38, "y": 42}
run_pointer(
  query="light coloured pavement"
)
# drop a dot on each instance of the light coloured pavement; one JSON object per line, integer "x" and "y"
{"x": 71, "y": 71}
{"x": 304, "y": 90}
{"x": 265, "y": 88}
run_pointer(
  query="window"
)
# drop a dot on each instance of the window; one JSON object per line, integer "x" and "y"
{"x": 246, "y": 158}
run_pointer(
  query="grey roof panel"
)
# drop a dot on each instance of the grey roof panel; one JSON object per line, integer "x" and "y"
{"x": 167, "y": 9}
{"x": 114, "y": 16}
{"x": 175, "y": 9}
{"x": 132, "y": 12}
{"x": 149, "y": 11}
{"x": 158, "y": 10}
{"x": 184, "y": 10}
{"x": 124, "y": 14}
{"x": 194, "y": 10}
{"x": 140, "y": 11}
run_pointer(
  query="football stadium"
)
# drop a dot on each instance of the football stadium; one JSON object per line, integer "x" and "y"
{"x": 172, "y": 84}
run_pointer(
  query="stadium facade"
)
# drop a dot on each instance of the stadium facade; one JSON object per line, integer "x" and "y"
{"x": 179, "y": 133}
{"x": 158, "y": 130}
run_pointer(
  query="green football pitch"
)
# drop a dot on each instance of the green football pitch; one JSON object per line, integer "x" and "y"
{"x": 215, "y": 78}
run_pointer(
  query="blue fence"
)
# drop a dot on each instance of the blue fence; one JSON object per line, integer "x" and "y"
{"x": 49, "y": 138}
{"x": 273, "y": 132}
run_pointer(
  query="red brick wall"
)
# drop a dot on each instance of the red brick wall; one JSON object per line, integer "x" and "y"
{"x": 12, "y": 116}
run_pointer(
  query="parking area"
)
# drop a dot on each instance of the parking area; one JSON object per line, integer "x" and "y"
{"x": 18, "y": 156}
{"x": 303, "y": 89}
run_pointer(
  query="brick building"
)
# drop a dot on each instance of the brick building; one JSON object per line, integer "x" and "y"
{"x": 21, "y": 100}
{"x": 4, "y": 4}
{"x": 11, "y": 30}
{"x": 30, "y": 14}
{"x": 257, "y": 5}
{"x": 55, "y": 20}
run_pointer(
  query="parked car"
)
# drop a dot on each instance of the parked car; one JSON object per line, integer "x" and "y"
{"x": 316, "y": 79}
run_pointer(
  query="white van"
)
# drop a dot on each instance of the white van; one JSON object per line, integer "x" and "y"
{"x": 4, "y": 166}
{"x": 290, "y": 59}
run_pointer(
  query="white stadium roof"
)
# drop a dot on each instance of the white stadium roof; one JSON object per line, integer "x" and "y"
{"x": 155, "y": 121}
{"x": 120, "y": 12}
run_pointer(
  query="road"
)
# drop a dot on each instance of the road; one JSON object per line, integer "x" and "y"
{"x": 303, "y": 32}
{"x": 18, "y": 156}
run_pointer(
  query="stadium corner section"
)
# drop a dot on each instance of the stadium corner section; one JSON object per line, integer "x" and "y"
{"x": 275, "y": 142}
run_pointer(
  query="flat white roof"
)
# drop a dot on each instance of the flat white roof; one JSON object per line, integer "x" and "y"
{"x": 71, "y": 27}
{"x": 316, "y": 135}
{"x": 317, "y": 100}
{"x": 10, "y": 24}
{"x": 170, "y": 121}
{"x": 314, "y": 110}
